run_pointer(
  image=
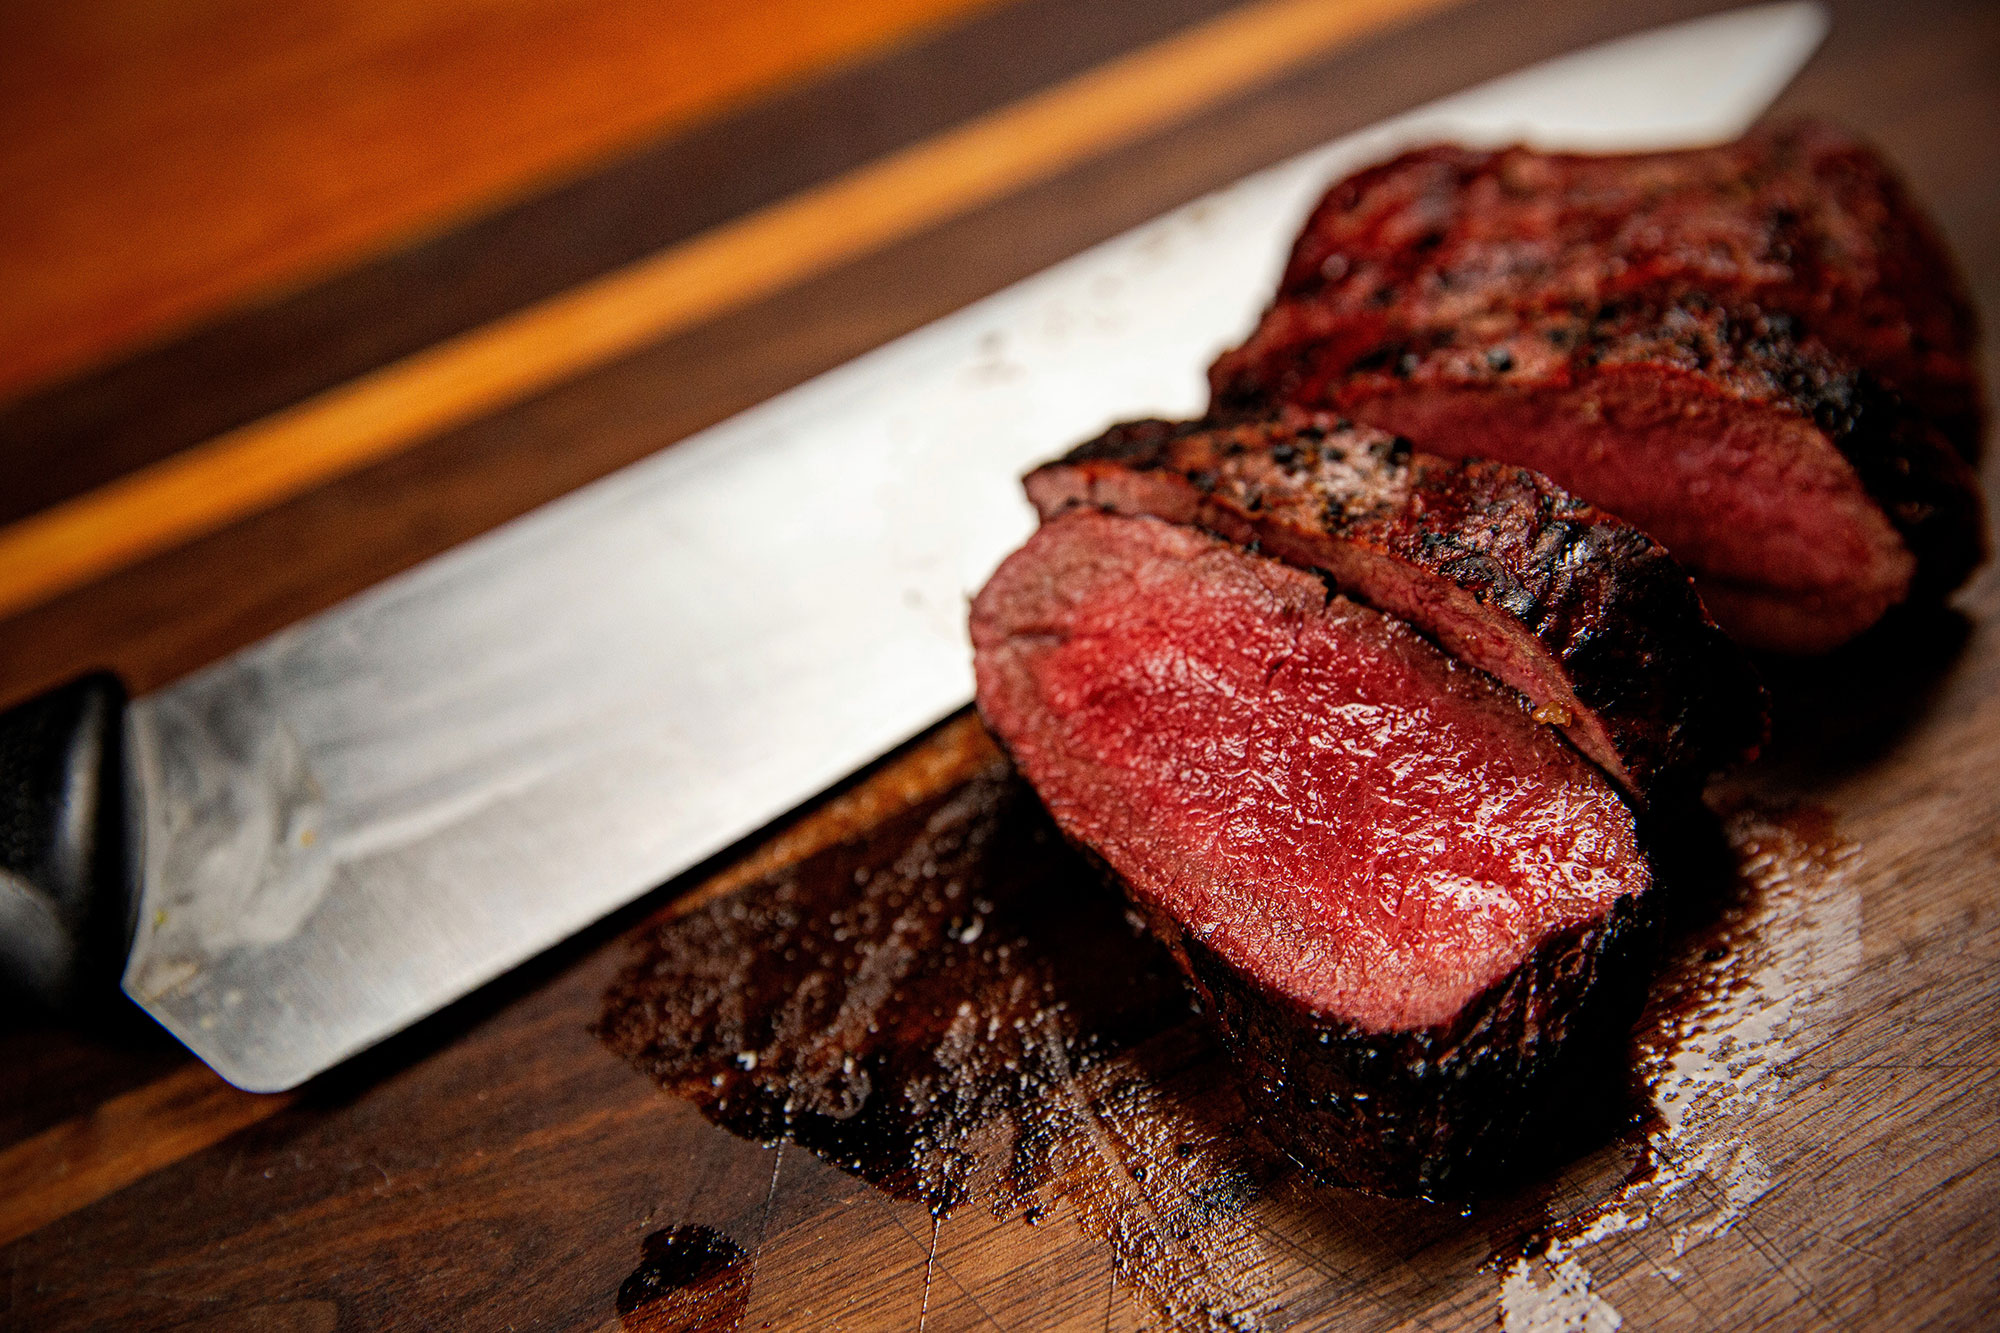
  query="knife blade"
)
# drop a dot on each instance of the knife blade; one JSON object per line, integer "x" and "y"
{"x": 348, "y": 825}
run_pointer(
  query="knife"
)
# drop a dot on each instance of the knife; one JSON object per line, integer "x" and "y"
{"x": 317, "y": 841}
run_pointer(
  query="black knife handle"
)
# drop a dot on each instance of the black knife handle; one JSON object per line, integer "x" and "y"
{"x": 66, "y": 902}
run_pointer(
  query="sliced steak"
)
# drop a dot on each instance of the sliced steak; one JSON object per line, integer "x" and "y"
{"x": 1579, "y": 611}
{"x": 1805, "y": 499}
{"x": 1799, "y": 220}
{"x": 1409, "y": 907}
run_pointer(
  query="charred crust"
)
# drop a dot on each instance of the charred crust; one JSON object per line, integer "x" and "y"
{"x": 1617, "y": 617}
{"x": 1437, "y": 1112}
{"x": 1799, "y": 222}
{"x": 1929, "y": 492}
{"x": 1904, "y": 461}
{"x": 1441, "y": 1111}
{"x": 1137, "y": 444}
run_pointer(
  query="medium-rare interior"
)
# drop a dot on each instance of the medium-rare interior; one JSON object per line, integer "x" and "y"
{"x": 1714, "y": 360}
{"x": 1368, "y": 730}
{"x": 1408, "y": 905}
{"x": 1584, "y": 615}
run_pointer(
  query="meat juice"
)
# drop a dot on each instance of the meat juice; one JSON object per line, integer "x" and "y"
{"x": 996, "y": 1034}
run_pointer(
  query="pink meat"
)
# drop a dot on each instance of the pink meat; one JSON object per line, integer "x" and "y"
{"x": 1759, "y": 353}
{"x": 1582, "y": 613}
{"x": 1349, "y": 819}
{"x": 1804, "y": 500}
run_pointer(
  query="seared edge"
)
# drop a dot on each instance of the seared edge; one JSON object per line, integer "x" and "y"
{"x": 1797, "y": 219}
{"x": 1442, "y": 1110}
{"x": 1928, "y": 492}
{"x": 1585, "y": 615}
{"x": 1439, "y": 1111}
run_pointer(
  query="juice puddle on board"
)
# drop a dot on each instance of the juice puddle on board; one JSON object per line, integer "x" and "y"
{"x": 691, "y": 1280}
{"x": 956, "y": 1009}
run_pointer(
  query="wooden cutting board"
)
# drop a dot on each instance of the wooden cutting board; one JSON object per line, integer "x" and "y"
{"x": 1812, "y": 1139}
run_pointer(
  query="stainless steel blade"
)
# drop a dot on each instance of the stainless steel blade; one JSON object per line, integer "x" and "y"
{"x": 367, "y": 815}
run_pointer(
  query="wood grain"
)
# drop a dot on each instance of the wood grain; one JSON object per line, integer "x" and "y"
{"x": 508, "y": 1170}
{"x": 250, "y": 361}
{"x": 499, "y": 1167}
{"x": 126, "y": 1138}
{"x": 269, "y": 461}
{"x": 163, "y": 161}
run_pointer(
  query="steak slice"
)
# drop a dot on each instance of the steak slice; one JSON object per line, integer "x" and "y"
{"x": 1408, "y": 907}
{"x": 1582, "y": 613}
{"x": 1804, "y": 498}
{"x": 1799, "y": 220}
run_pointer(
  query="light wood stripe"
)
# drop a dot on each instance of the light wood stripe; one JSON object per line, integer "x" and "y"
{"x": 290, "y": 452}
{"x": 76, "y": 1163}
{"x": 160, "y": 163}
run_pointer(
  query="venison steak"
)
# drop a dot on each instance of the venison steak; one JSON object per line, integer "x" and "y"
{"x": 1409, "y": 907}
{"x": 1757, "y": 353}
{"x": 1805, "y": 499}
{"x": 1798, "y": 219}
{"x": 1582, "y": 613}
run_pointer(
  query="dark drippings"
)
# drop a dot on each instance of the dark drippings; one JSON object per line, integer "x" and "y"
{"x": 1735, "y": 946}
{"x": 1725, "y": 925}
{"x": 884, "y": 1002}
{"x": 1154, "y": 1159}
{"x": 690, "y": 1280}
{"x": 958, "y": 1010}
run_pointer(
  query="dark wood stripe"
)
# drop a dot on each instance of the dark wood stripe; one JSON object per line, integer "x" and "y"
{"x": 164, "y": 163}
{"x": 485, "y": 370}
{"x": 60, "y": 1067}
{"x": 121, "y": 1140}
{"x": 76, "y": 436}
{"x": 177, "y": 611}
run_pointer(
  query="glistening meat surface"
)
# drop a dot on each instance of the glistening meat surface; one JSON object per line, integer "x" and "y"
{"x": 1581, "y": 612}
{"x": 1758, "y": 353}
{"x": 1798, "y": 220}
{"x": 1805, "y": 499}
{"x": 1353, "y": 822}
